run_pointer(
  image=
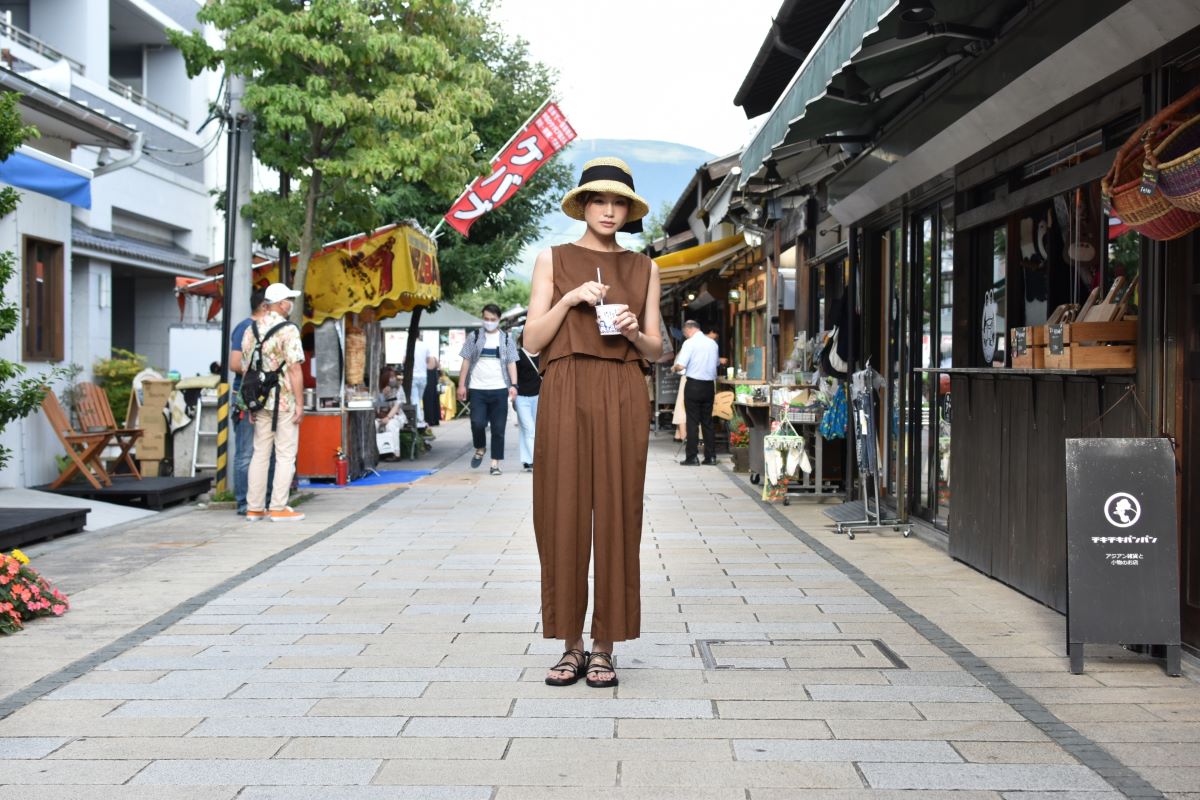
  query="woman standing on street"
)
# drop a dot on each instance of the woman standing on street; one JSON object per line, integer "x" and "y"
{"x": 594, "y": 425}
{"x": 489, "y": 379}
{"x": 529, "y": 384}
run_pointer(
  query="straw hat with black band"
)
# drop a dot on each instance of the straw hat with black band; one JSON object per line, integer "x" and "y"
{"x": 610, "y": 175}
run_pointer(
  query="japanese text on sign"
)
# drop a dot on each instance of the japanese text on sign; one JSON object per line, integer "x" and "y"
{"x": 532, "y": 147}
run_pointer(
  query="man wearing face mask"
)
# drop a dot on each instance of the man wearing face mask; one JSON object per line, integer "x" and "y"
{"x": 489, "y": 374}
{"x": 277, "y": 426}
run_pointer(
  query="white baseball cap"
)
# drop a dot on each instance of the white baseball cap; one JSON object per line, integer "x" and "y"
{"x": 279, "y": 291}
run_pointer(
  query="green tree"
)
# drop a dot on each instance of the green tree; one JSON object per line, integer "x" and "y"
{"x": 512, "y": 293}
{"x": 346, "y": 94}
{"x": 19, "y": 397}
{"x": 653, "y": 224}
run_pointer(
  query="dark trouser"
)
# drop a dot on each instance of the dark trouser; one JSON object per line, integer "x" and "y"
{"x": 243, "y": 423}
{"x": 698, "y": 403}
{"x": 432, "y": 399}
{"x": 490, "y": 407}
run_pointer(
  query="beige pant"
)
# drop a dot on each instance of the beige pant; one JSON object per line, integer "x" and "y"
{"x": 283, "y": 441}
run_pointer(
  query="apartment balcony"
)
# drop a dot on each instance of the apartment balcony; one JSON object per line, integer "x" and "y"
{"x": 137, "y": 98}
{"x": 27, "y": 41}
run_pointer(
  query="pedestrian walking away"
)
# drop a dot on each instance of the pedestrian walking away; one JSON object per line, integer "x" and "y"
{"x": 594, "y": 317}
{"x": 488, "y": 381}
{"x": 243, "y": 420}
{"x": 529, "y": 384}
{"x": 697, "y": 359}
{"x": 272, "y": 355}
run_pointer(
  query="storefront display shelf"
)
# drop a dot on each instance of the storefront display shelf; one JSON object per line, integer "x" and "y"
{"x": 1023, "y": 371}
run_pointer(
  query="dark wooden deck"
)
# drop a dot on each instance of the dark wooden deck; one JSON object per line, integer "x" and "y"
{"x": 152, "y": 493}
{"x": 22, "y": 526}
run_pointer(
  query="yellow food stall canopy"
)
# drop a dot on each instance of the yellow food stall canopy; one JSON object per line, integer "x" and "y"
{"x": 683, "y": 264}
{"x": 390, "y": 270}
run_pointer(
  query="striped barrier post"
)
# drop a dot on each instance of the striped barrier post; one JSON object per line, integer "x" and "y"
{"x": 222, "y": 435}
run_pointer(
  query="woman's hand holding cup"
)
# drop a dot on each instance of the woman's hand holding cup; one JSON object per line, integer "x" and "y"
{"x": 627, "y": 324}
{"x": 591, "y": 293}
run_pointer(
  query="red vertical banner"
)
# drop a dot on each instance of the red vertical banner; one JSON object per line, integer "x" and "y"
{"x": 546, "y": 134}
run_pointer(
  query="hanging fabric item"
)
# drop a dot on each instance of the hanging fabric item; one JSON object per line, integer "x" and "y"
{"x": 863, "y": 385}
{"x": 833, "y": 423}
{"x": 782, "y": 453}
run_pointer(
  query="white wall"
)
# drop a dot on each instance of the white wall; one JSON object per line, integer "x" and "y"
{"x": 78, "y": 28}
{"x": 31, "y": 439}
{"x": 168, "y": 85}
{"x": 157, "y": 310}
{"x": 91, "y": 312}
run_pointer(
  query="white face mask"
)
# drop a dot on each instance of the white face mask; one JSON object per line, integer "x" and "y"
{"x": 490, "y": 326}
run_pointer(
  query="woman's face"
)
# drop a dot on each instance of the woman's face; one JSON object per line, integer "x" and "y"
{"x": 606, "y": 212}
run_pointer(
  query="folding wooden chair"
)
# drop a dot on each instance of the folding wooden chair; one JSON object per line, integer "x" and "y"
{"x": 83, "y": 449}
{"x": 95, "y": 415}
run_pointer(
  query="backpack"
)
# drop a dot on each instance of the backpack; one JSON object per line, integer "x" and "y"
{"x": 258, "y": 382}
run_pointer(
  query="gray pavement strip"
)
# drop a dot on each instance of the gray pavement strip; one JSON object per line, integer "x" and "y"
{"x": 1103, "y": 766}
{"x": 23, "y": 697}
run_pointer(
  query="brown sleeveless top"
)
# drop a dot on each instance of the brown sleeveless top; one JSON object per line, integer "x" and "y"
{"x": 627, "y": 274}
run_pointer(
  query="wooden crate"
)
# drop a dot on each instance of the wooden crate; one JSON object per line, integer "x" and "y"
{"x": 1092, "y": 345}
{"x": 1028, "y": 346}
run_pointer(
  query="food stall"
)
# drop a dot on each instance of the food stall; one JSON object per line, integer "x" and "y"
{"x": 351, "y": 286}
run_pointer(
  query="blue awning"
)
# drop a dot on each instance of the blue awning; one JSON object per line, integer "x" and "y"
{"x": 37, "y": 175}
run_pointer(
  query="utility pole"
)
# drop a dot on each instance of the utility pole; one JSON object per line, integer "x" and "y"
{"x": 239, "y": 254}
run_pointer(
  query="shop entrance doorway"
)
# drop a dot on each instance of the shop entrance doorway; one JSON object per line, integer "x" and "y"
{"x": 1189, "y": 427}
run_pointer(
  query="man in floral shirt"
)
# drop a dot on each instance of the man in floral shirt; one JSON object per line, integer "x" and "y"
{"x": 276, "y": 432}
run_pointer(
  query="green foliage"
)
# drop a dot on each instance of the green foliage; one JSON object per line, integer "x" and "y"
{"x": 518, "y": 85}
{"x": 347, "y": 93}
{"x": 652, "y": 224}
{"x": 116, "y": 377}
{"x": 19, "y": 397}
{"x": 513, "y": 292}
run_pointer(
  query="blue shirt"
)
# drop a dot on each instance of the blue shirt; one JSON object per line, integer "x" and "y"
{"x": 235, "y": 343}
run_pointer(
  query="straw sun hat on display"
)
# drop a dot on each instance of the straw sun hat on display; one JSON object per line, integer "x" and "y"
{"x": 607, "y": 175}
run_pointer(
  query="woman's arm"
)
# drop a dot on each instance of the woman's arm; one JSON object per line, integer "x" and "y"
{"x": 648, "y": 344}
{"x": 544, "y": 317}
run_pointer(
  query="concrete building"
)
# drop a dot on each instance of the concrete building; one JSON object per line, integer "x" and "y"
{"x": 115, "y": 107}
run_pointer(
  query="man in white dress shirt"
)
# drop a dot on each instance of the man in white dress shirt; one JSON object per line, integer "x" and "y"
{"x": 697, "y": 360}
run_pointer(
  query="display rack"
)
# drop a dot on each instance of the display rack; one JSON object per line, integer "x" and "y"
{"x": 864, "y": 385}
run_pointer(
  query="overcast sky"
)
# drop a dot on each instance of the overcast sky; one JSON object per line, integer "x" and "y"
{"x": 665, "y": 70}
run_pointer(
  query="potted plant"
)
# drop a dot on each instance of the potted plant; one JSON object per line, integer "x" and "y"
{"x": 739, "y": 446}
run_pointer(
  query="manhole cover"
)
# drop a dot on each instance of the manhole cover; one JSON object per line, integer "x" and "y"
{"x": 798, "y": 654}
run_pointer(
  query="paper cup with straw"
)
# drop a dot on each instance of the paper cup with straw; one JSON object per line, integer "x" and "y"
{"x": 606, "y": 313}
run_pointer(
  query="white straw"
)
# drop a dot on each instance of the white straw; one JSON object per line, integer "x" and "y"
{"x": 598, "y": 276}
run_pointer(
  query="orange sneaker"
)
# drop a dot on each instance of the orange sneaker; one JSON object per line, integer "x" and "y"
{"x": 286, "y": 515}
{"x": 255, "y": 516}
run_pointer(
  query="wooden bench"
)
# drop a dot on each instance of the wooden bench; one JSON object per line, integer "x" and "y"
{"x": 95, "y": 415}
{"x": 83, "y": 449}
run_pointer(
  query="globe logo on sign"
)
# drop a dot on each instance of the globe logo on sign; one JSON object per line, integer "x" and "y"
{"x": 1122, "y": 510}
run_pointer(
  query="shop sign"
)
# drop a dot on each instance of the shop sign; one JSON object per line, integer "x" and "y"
{"x": 1122, "y": 559}
{"x": 757, "y": 294}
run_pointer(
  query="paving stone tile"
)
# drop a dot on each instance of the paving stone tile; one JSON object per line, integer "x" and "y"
{"x": 162, "y": 747}
{"x": 329, "y": 690}
{"x": 1000, "y": 752}
{"x": 740, "y": 774}
{"x": 69, "y": 792}
{"x": 30, "y": 746}
{"x": 257, "y": 772}
{"x": 415, "y": 707}
{"x": 1155, "y": 755}
{"x": 400, "y": 748}
{"x": 811, "y": 709}
{"x": 965, "y": 711}
{"x": 70, "y": 771}
{"x": 999, "y": 777}
{"x": 300, "y": 726}
{"x": 366, "y": 793}
{"x": 213, "y": 709}
{"x": 582, "y": 772}
{"x": 529, "y": 727}
{"x": 440, "y": 674}
{"x": 722, "y": 729}
{"x": 626, "y": 793}
{"x": 614, "y": 708}
{"x": 843, "y": 750}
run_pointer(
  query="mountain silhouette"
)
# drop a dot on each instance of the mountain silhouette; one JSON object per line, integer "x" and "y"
{"x": 661, "y": 170}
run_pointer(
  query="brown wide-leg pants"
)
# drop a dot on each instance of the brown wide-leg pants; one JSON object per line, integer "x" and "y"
{"x": 593, "y": 429}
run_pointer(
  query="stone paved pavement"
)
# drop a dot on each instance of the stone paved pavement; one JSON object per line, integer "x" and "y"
{"x": 388, "y": 647}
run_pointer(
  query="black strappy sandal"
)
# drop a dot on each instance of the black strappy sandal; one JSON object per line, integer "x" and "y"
{"x": 596, "y": 663}
{"x": 572, "y": 660}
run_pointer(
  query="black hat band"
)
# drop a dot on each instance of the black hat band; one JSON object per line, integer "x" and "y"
{"x": 606, "y": 172}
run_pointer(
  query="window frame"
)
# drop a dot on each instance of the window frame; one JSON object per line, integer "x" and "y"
{"x": 51, "y": 314}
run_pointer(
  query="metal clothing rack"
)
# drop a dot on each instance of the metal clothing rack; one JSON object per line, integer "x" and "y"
{"x": 869, "y": 459}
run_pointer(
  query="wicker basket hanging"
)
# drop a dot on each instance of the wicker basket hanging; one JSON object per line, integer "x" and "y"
{"x": 1133, "y": 194}
{"x": 356, "y": 357}
{"x": 1176, "y": 162}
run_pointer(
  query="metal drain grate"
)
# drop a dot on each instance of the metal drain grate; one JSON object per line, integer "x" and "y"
{"x": 798, "y": 654}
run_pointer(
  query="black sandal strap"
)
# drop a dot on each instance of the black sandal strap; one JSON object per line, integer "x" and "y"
{"x": 602, "y": 657}
{"x": 565, "y": 663}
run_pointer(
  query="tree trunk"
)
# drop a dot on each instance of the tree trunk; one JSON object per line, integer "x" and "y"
{"x": 414, "y": 330}
{"x": 306, "y": 245}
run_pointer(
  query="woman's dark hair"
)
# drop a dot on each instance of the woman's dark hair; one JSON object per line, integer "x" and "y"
{"x": 585, "y": 198}
{"x": 491, "y": 308}
{"x": 385, "y": 376}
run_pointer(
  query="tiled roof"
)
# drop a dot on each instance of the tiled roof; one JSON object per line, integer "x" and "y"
{"x": 130, "y": 248}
